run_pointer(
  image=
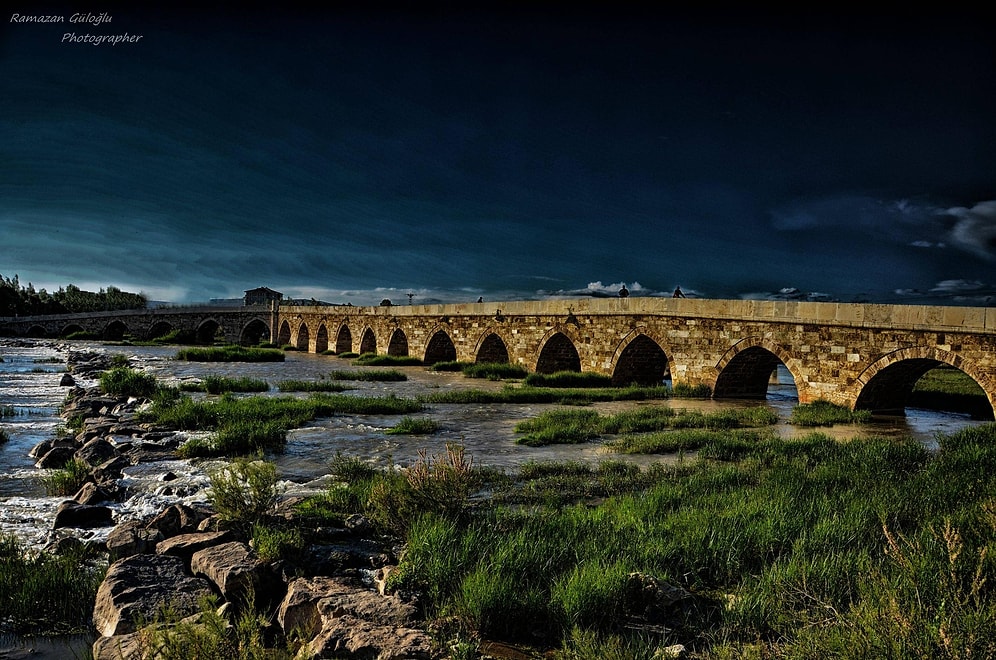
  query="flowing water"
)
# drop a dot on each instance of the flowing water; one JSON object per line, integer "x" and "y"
{"x": 29, "y": 387}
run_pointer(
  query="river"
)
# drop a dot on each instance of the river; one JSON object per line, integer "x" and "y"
{"x": 29, "y": 387}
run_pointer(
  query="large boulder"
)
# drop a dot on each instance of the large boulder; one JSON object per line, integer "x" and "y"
{"x": 73, "y": 514}
{"x": 236, "y": 571}
{"x": 310, "y": 601}
{"x": 185, "y": 545}
{"x": 96, "y": 452}
{"x": 349, "y": 637}
{"x": 176, "y": 519}
{"x": 132, "y": 538}
{"x": 137, "y": 588}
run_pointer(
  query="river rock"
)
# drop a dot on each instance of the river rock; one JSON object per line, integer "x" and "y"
{"x": 177, "y": 518}
{"x": 137, "y": 588}
{"x": 236, "y": 571}
{"x": 131, "y": 538}
{"x": 73, "y": 514}
{"x": 96, "y": 452}
{"x": 55, "y": 458}
{"x": 185, "y": 545}
{"x": 310, "y": 600}
{"x": 348, "y": 637}
{"x": 67, "y": 381}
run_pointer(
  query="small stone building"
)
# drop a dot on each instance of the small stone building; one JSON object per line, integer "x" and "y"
{"x": 261, "y": 296}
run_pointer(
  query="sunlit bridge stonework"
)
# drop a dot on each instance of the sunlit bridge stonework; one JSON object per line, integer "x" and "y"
{"x": 866, "y": 356}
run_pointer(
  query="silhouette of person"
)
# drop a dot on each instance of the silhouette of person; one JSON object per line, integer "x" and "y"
{"x": 481, "y": 299}
{"x": 678, "y": 293}
{"x": 623, "y": 292}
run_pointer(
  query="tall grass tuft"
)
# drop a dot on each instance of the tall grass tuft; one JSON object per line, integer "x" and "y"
{"x": 230, "y": 353}
{"x": 569, "y": 379}
{"x": 68, "y": 479}
{"x": 495, "y": 371}
{"x": 125, "y": 381}
{"x": 825, "y": 413}
{"x": 244, "y": 491}
{"x": 41, "y": 593}
{"x": 222, "y": 384}
{"x": 414, "y": 426}
{"x": 374, "y": 360}
{"x": 376, "y": 375}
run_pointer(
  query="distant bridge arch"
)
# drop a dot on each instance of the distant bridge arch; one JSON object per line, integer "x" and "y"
{"x": 440, "y": 347}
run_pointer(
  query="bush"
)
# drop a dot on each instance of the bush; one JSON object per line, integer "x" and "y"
{"x": 230, "y": 353}
{"x": 244, "y": 491}
{"x": 436, "y": 484}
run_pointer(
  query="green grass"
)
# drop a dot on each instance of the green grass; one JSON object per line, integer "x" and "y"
{"x": 824, "y": 413}
{"x": 573, "y": 426}
{"x": 414, "y": 426}
{"x": 222, "y": 384}
{"x": 571, "y": 396}
{"x": 374, "y": 360}
{"x": 495, "y": 371}
{"x": 125, "y": 381}
{"x": 7, "y": 411}
{"x": 374, "y": 375}
{"x": 68, "y": 479}
{"x": 950, "y": 389}
{"x": 250, "y": 425}
{"x": 450, "y": 365}
{"x": 806, "y": 547}
{"x": 311, "y": 386}
{"x": 569, "y": 379}
{"x": 231, "y": 353}
{"x": 44, "y": 593}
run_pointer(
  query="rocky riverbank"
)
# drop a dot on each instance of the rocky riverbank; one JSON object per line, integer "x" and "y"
{"x": 330, "y": 599}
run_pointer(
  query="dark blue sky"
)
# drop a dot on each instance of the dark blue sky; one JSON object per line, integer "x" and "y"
{"x": 360, "y": 154}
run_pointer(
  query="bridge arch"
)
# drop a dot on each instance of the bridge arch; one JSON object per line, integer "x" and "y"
{"x": 368, "y": 341}
{"x": 398, "y": 344}
{"x": 71, "y": 329}
{"x": 343, "y": 340}
{"x": 114, "y": 331}
{"x": 639, "y": 359}
{"x": 322, "y": 339}
{"x": 744, "y": 371}
{"x": 886, "y": 384}
{"x": 303, "y": 337}
{"x": 558, "y": 352}
{"x": 207, "y": 330}
{"x": 159, "y": 329}
{"x": 440, "y": 348}
{"x": 254, "y": 333}
{"x": 491, "y": 348}
{"x": 284, "y": 334}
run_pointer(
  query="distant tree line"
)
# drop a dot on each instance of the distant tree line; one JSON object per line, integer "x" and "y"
{"x": 17, "y": 300}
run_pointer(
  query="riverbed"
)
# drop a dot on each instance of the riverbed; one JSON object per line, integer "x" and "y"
{"x": 29, "y": 385}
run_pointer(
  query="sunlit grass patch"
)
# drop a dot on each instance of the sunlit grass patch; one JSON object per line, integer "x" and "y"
{"x": 231, "y": 353}
{"x": 825, "y": 413}
{"x": 222, "y": 384}
{"x": 374, "y": 360}
{"x": 414, "y": 426}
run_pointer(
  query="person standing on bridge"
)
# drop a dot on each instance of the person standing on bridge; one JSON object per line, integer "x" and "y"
{"x": 678, "y": 293}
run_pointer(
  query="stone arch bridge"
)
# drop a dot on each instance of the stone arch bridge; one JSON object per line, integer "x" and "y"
{"x": 865, "y": 356}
